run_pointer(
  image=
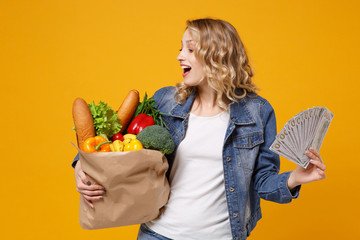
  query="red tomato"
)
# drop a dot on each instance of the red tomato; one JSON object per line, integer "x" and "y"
{"x": 117, "y": 136}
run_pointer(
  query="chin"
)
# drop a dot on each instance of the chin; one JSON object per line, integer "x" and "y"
{"x": 189, "y": 84}
{"x": 192, "y": 83}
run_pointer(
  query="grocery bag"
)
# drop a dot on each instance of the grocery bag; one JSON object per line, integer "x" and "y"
{"x": 135, "y": 183}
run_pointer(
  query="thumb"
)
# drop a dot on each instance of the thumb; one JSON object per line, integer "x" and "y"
{"x": 81, "y": 174}
{"x": 84, "y": 178}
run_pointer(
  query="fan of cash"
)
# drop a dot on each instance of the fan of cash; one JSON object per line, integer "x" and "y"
{"x": 307, "y": 129}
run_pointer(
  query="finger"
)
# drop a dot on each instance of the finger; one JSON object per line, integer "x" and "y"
{"x": 322, "y": 174}
{"x": 93, "y": 193}
{"x": 311, "y": 155}
{"x": 84, "y": 178}
{"x": 90, "y": 198}
{"x": 89, "y": 203}
{"x": 318, "y": 164}
{"x": 94, "y": 187}
{"x": 313, "y": 151}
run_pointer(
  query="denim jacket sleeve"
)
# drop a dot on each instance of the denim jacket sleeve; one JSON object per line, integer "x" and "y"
{"x": 269, "y": 184}
{"x": 73, "y": 164}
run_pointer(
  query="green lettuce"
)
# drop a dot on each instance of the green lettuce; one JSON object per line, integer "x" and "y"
{"x": 105, "y": 119}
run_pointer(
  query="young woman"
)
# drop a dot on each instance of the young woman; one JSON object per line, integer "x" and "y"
{"x": 222, "y": 129}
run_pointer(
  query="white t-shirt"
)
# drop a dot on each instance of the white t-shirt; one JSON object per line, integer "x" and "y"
{"x": 197, "y": 207}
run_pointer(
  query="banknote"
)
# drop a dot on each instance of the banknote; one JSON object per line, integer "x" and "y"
{"x": 307, "y": 129}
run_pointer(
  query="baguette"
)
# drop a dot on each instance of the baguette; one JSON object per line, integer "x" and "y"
{"x": 128, "y": 108}
{"x": 83, "y": 120}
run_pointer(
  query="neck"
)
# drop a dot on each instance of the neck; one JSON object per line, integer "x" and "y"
{"x": 205, "y": 102}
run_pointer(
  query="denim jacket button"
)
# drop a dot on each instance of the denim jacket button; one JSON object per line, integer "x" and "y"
{"x": 228, "y": 159}
{"x": 235, "y": 215}
{"x": 231, "y": 189}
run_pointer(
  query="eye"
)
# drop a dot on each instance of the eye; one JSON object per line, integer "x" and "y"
{"x": 191, "y": 50}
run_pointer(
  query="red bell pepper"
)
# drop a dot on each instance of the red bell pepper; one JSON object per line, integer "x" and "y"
{"x": 140, "y": 122}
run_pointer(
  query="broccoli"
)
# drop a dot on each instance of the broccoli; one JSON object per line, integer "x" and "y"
{"x": 157, "y": 138}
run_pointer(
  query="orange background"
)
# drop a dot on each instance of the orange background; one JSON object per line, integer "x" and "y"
{"x": 304, "y": 54}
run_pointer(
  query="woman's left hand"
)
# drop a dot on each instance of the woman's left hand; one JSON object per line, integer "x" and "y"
{"x": 313, "y": 172}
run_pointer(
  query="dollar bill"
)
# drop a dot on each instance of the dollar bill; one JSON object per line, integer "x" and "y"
{"x": 307, "y": 129}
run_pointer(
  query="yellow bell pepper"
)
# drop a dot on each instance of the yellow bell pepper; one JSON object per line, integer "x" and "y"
{"x": 128, "y": 137}
{"x": 117, "y": 146}
{"x": 133, "y": 145}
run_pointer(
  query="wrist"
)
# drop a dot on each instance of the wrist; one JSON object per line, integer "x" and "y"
{"x": 291, "y": 182}
{"x": 77, "y": 166}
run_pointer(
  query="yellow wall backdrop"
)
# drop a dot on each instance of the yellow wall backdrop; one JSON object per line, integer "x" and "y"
{"x": 304, "y": 54}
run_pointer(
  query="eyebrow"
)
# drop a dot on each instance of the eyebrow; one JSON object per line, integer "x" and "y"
{"x": 189, "y": 41}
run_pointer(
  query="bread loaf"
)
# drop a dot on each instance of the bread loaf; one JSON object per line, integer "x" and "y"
{"x": 83, "y": 120}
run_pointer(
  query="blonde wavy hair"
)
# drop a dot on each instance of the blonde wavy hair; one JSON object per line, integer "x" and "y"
{"x": 226, "y": 65}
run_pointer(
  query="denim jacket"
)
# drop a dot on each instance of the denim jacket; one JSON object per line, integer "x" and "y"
{"x": 251, "y": 170}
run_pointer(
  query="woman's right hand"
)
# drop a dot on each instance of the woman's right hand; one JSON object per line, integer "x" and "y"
{"x": 90, "y": 192}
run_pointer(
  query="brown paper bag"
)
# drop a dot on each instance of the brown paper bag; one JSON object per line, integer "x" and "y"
{"x": 136, "y": 187}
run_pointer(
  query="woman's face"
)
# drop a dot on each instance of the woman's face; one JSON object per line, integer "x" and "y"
{"x": 192, "y": 69}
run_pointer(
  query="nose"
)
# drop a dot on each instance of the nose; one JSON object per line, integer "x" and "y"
{"x": 180, "y": 57}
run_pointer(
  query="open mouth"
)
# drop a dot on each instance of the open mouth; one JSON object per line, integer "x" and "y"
{"x": 186, "y": 70}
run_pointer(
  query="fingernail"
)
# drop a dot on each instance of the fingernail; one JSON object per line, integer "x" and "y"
{"x": 101, "y": 197}
{"x": 104, "y": 192}
{"x": 306, "y": 151}
{"x": 311, "y": 160}
{"x": 103, "y": 188}
{"x": 88, "y": 183}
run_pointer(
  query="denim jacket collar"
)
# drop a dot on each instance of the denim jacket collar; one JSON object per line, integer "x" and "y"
{"x": 239, "y": 114}
{"x": 182, "y": 110}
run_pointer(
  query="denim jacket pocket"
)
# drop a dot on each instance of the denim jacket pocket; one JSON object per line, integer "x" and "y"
{"x": 247, "y": 148}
